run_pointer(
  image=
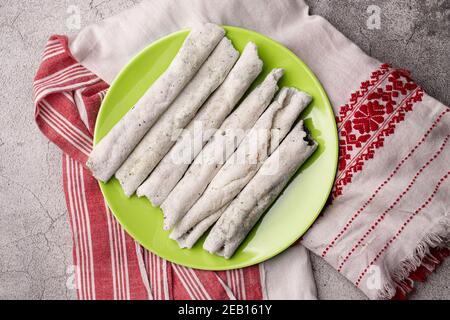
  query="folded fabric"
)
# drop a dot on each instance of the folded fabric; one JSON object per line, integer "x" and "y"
{"x": 387, "y": 224}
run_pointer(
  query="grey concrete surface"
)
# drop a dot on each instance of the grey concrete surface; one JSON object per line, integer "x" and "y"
{"x": 35, "y": 239}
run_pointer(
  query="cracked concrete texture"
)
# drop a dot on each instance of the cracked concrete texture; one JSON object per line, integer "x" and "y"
{"x": 35, "y": 239}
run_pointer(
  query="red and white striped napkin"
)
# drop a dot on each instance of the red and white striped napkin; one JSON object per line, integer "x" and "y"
{"x": 111, "y": 265}
{"x": 387, "y": 223}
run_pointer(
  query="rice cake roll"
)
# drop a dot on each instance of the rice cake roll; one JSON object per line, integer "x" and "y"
{"x": 246, "y": 209}
{"x": 217, "y": 151}
{"x": 268, "y": 132}
{"x": 109, "y": 154}
{"x": 209, "y": 118}
{"x": 161, "y": 137}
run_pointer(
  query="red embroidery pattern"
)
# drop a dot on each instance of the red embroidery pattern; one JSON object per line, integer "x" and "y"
{"x": 358, "y": 97}
{"x": 370, "y": 117}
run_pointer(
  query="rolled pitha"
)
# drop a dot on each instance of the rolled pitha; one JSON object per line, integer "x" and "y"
{"x": 109, "y": 154}
{"x": 246, "y": 209}
{"x": 209, "y": 118}
{"x": 270, "y": 129}
{"x": 222, "y": 145}
{"x": 161, "y": 137}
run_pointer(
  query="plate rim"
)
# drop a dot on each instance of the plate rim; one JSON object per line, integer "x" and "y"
{"x": 335, "y": 146}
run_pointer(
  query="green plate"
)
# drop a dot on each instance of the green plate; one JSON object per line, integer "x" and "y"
{"x": 293, "y": 212}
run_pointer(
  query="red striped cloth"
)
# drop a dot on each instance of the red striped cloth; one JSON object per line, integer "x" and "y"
{"x": 109, "y": 263}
